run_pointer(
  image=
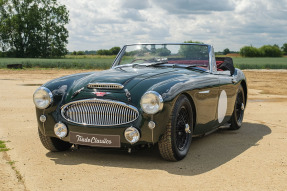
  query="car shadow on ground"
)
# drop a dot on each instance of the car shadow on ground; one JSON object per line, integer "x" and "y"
{"x": 205, "y": 153}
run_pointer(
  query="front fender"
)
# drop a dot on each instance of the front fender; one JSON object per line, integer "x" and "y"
{"x": 60, "y": 86}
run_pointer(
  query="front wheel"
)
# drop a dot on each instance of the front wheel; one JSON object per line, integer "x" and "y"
{"x": 238, "y": 112}
{"x": 175, "y": 142}
{"x": 53, "y": 144}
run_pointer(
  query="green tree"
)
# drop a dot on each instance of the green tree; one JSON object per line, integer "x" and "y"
{"x": 250, "y": 51}
{"x": 284, "y": 48}
{"x": 226, "y": 51}
{"x": 194, "y": 52}
{"x": 112, "y": 51}
{"x": 190, "y": 41}
{"x": 271, "y": 51}
{"x": 264, "y": 51}
{"x": 33, "y": 28}
{"x": 80, "y": 53}
{"x": 162, "y": 52}
{"x": 115, "y": 50}
{"x": 103, "y": 52}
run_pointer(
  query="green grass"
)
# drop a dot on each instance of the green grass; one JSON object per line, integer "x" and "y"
{"x": 260, "y": 63}
{"x": 79, "y": 62}
{"x": 3, "y": 146}
{"x": 104, "y": 62}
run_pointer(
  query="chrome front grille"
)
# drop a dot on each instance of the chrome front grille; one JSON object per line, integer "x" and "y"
{"x": 105, "y": 86}
{"x": 99, "y": 112}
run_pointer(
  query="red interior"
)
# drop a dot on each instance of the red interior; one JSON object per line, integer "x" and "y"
{"x": 218, "y": 63}
{"x": 195, "y": 62}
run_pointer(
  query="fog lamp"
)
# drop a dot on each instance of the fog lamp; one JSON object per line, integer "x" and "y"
{"x": 60, "y": 130}
{"x": 132, "y": 135}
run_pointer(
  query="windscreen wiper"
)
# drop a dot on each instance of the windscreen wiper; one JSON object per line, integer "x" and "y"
{"x": 196, "y": 65}
{"x": 126, "y": 65}
{"x": 157, "y": 63}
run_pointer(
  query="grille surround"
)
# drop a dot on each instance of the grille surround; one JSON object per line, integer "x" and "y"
{"x": 99, "y": 112}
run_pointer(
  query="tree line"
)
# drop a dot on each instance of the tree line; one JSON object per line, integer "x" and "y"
{"x": 250, "y": 51}
{"x": 264, "y": 51}
{"x": 113, "y": 51}
{"x": 33, "y": 28}
{"x": 246, "y": 51}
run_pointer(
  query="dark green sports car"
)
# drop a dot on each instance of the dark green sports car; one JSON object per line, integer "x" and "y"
{"x": 154, "y": 94}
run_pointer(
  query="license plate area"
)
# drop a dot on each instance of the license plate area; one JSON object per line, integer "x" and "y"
{"x": 95, "y": 140}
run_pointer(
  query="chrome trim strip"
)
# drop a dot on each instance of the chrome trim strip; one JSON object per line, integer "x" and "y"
{"x": 204, "y": 92}
{"x": 105, "y": 86}
{"x": 212, "y": 62}
{"x": 95, "y": 113}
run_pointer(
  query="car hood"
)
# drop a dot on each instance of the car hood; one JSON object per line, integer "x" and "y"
{"x": 136, "y": 80}
{"x": 128, "y": 77}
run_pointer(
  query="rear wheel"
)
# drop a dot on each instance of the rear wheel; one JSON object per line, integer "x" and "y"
{"x": 53, "y": 144}
{"x": 239, "y": 107}
{"x": 175, "y": 142}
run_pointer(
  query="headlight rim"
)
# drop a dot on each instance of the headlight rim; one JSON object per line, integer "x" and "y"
{"x": 160, "y": 99}
{"x": 50, "y": 96}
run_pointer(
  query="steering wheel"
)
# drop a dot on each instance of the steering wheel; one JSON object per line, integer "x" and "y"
{"x": 138, "y": 59}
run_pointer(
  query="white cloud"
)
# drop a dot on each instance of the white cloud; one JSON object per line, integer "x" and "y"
{"x": 224, "y": 23}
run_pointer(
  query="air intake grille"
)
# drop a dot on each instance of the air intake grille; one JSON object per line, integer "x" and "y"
{"x": 105, "y": 86}
{"x": 99, "y": 112}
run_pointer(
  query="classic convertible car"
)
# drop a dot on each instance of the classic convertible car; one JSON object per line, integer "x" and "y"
{"x": 154, "y": 94}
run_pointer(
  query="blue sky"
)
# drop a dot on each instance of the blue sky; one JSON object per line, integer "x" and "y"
{"x": 102, "y": 24}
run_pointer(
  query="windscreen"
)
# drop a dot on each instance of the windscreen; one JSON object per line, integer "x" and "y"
{"x": 182, "y": 54}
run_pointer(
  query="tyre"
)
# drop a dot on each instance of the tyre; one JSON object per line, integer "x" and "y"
{"x": 53, "y": 144}
{"x": 238, "y": 112}
{"x": 175, "y": 142}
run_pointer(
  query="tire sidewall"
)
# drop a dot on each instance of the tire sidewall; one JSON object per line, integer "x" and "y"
{"x": 240, "y": 90}
{"x": 182, "y": 101}
{"x": 235, "y": 124}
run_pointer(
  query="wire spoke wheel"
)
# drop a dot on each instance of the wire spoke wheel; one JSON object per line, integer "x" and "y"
{"x": 175, "y": 142}
{"x": 239, "y": 107}
{"x": 181, "y": 135}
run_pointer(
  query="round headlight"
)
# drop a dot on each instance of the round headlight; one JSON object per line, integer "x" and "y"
{"x": 42, "y": 98}
{"x": 151, "y": 102}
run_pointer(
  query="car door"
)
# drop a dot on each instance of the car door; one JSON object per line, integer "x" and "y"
{"x": 206, "y": 99}
{"x": 226, "y": 96}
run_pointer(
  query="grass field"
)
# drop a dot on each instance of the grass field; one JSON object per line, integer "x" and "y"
{"x": 104, "y": 62}
{"x": 69, "y": 62}
{"x": 260, "y": 63}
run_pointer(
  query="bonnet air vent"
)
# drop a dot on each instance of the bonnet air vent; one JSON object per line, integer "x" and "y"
{"x": 105, "y": 86}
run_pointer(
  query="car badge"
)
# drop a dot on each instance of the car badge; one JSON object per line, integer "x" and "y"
{"x": 101, "y": 94}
